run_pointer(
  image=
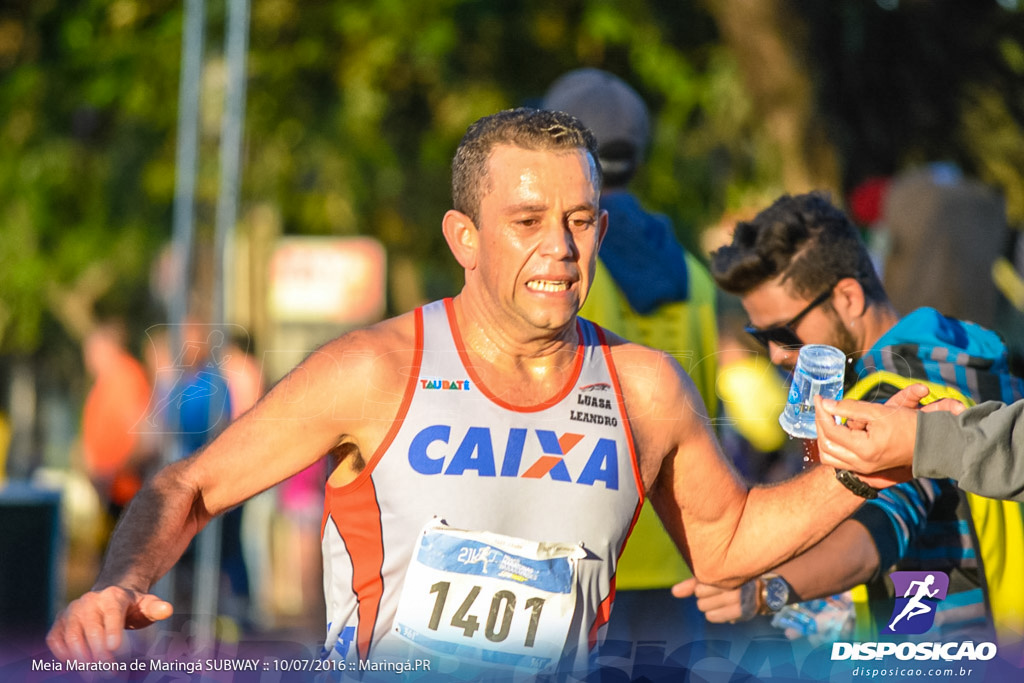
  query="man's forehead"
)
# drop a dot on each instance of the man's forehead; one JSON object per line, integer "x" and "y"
{"x": 770, "y": 302}
{"x": 519, "y": 166}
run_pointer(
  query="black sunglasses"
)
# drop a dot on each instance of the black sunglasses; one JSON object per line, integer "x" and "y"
{"x": 783, "y": 335}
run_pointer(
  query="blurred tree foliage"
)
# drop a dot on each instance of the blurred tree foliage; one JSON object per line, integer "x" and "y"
{"x": 354, "y": 110}
{"x": 906, "y": 82}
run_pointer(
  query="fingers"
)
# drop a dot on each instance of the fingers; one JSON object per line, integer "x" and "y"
{"x": 684, "y": 589}
{"x": 91, "y": 628}
{"x": 836, "y": 440}
{"x": 73, "y": 637}
{"x": 56, "y": 640}
{"x": 113, "y": 631}
{"x": 948, "y": 404}
{"x": 909, "y": 397}
{"x": 850, "y": 409}
{"x": 96, "y": 640}
{"x": 150, "y": 608}
{"x": 856, "y": 425}
{"x": 726, "y": 614}
{"x": 834, "y": 454}
{"x": 719, "y": 605}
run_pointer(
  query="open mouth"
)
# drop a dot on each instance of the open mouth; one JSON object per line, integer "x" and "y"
{"x": 547, "y": 286}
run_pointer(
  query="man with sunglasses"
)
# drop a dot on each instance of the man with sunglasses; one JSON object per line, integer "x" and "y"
{"x": 804, "y": 276}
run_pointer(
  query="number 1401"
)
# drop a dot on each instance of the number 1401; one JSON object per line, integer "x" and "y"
{"x": 499, "y": 617}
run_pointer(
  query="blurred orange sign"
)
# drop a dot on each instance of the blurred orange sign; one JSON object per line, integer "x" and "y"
{"x": 325, "y": 279}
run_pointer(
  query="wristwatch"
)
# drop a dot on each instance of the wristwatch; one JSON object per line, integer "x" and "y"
{"x": 773, "y": 594}
{"x": 856, "y": 484}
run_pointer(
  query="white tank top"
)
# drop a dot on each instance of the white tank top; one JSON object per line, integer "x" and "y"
{"x": 558, "y": 478}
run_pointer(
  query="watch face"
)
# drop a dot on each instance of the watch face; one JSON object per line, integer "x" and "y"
{"x": 776, "y": 593}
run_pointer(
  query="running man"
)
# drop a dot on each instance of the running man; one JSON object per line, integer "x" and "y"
{"x": 915, "y": 605}
{"x": 493, "y": 421}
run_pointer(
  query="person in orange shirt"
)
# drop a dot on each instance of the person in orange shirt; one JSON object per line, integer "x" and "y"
{"x": 115, "y": 455}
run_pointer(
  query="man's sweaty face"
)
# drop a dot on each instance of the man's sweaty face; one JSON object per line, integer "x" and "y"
{"x": 539, "y": 230}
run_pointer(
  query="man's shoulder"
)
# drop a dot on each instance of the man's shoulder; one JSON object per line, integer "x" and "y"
{"x": 390, "y": 342}
{"x": 646, "y": 374}
{"x": 929, "y": 347}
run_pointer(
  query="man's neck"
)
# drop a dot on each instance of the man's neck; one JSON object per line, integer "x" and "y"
{"x": 879, "y": 319}
{"x": 511, "y": 354}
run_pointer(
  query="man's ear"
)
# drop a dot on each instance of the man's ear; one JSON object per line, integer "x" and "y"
{"x": 602, "y": 227}
{"x": 848, "y": 300}
{"x": 462, "y": 236}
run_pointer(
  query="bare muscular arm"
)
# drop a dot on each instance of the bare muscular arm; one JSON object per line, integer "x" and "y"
{"x": 845, "y": 558}
{"x": 350, "y": 388}
{"x": 728, "y": 532}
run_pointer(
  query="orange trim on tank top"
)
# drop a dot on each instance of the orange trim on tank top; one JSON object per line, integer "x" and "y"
{"x": 464, "y": 358}
{"x": 353, "y": 514}
{"x": 614, "y": 373}
{"x": 396, "y": 424}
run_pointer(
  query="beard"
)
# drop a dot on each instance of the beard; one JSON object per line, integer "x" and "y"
{"x": 843, "y": 340}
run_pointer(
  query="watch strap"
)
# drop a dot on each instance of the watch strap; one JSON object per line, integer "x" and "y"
{"x": 856, "y": 485}
{"x": 760, "y": 606}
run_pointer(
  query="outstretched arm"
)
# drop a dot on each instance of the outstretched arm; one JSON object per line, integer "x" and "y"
{"x": 299, "y": 421}
{"x": 152, "y": 535}
{"x": 729, "y": 532}
{"x": 850, "y": 555}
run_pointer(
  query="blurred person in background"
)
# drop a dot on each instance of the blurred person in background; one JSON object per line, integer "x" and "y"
{"x": 752, "y": 393}
{"x": 945, "y": 231}
{"x": 197, "y": 405}
{"x": 298, "y": 570}
{"x": 805, "y": 277}
{"x": 193, "y": 404}
{"x": 280, "y": 527}
{"x": 115, "y": 453}
{"x": 648, "y": 289}
{"x": 242, "y": 372}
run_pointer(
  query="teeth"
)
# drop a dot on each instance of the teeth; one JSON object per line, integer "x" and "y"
{"x": 548, "y": 285}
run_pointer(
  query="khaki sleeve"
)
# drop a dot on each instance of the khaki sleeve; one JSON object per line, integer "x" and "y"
{"x": 982, "y": 449}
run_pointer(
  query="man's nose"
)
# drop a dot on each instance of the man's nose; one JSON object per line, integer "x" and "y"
{"x": 557, "y": 240}
{"x": 784, "y": 356}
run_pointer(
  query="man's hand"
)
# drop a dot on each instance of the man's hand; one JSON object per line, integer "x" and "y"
{"x": 875, "y": 437}
{"x": 721, "y": 605}
{"x": 90, "y": 628}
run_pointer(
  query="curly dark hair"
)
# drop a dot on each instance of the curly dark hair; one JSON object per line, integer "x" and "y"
{"x": 804, "y": 238}
{"x": 534, "y": 129}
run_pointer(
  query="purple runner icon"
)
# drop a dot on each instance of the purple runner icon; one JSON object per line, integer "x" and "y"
{"x": 917, "y": 598}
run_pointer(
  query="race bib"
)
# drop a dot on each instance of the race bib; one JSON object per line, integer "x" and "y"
{"x": 488, "y": 598}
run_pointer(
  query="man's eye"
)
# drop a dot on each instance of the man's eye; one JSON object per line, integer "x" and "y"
{"x": 580, "y": 224}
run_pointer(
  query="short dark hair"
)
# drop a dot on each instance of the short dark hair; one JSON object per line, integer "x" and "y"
{"x": 534, "y": 129}
{"x": 804, "y": 238}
